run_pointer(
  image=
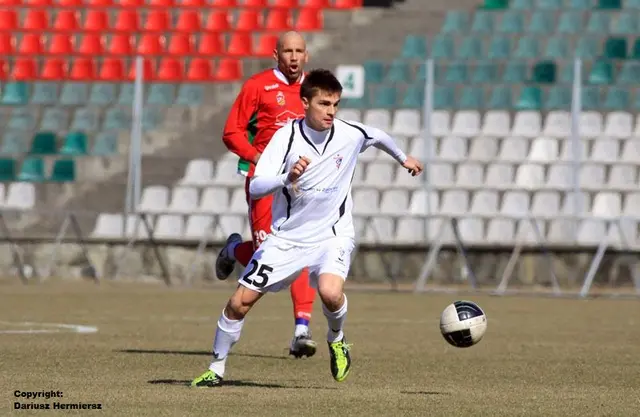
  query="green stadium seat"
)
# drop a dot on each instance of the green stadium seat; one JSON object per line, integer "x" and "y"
{"x": 544, "y": 72}
{"x": 117, "y": 118}
{"x": 526, "y": 5}
{"x": 615, "y": 48}
{"x": 85, "y": 119}
{"x": 75, "y": 143}
{"x": 610, "y": 4}
{"x": 587, "y": 48}
{"x": 348, "y": 103}
{"x": 373, "y": 72}
{"x": 559, "y": 98}
{"x": 566, "y": 73}
{"x": 499, "y": 48}
{"x": 126, "y": 94}
{"x": 471, "y": 98}
{"x": 398, "y": 72}
{"x": 598, "y": 23}
{"x": 632, "y": 4}
{"x": 55, "y": 119}
{"x": 152, "y": 118}
{"x": 512, "y": 22}
{"x": 581, "y": 4}
{"x": 413, "y": 98}
{"x": 501, "y": 98}
{"x": 617, "y": 98}
{"x": 456, "y": 73}
{"x": 103, "y": 93}
{"x": 190, "y": 95}
{"x": 15, "y": 93}
{"x": 629, "y": 73}
{"x": 414, "y": 47}
{"x": 7, "y": 169}
{"x": 495, "y": 4}
{"x": 549, "y": 4}
{"x": 625, "y": 24}
{"x": 32, "y": 170}
{"x": 105, "y": 144}
{"x": 601, "y": 73}
{"x": 161, "y": 94}
{"x": 530, "y": 98}
{"x": 421, "y": 74}
{"x": 541, "y": 23}
{"x": 471, "y": 48}
{"x": 385, "y": 97}
{"x": 570, "y": 23}
{"x": 74, "y": 94}
{"x": 455, "y": 21}
{"x": 483, "y": 22}
{"x": 44, "y": 143}
{"x": 443, "y": 47}
{"x": 590, "y": 98}
{"x": 15, "y": 143}
{"x": 557, "y": 47}
{"x": 64, "y": 170}
{"x": 22, "y": 118}
{"x": 443, "y": 98}
{"x": 515, "y": 73}
{"x": 527, "y": 48}
{"x": 635, "y": 53}
{"x": 45, "y": 93}
{"x": 485, "y": 73}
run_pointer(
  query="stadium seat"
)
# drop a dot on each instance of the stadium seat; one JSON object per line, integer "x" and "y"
{"x": 374, "y": 71}
{"x": 471, "y": 48}
{"x": 105, "y": 144}
{"x": 496, "y": 124}
{"x": 512, "y": 23}
{"x": 615, "y": 48}
{"x": 500, "y": 98}
{"x": 184, "y": 200}
{"x": 624, "y": 24}
{"x": 587, "y": 48}
{"x": 414, "y": 47}
{"x": 559, "y": 98}
{"x": 544, "y": 72}
{"x": 484, "y": 73}
{"x": 616, "y": 99}
{"x": 522, "y": 5}
{"x": 32, "y": 170}
{"x": 15, "y": 93}
{"x": 570, "y": 23}
{"x": 21, "y": 196}
{"x": 557, "y": 47}
{"x": 15, "y": 142}
{"x": 398, "y": 72}
{"x": 527, "y": 48}
{"x": 108, "y": 226}
{"x": 515, "y": 73}
{"x": 85, "y": 119}
{"x": 455, "y": 22}
{"x": 55, "y": 119}
{"x": 598, "y": 23}
{"x": 472, "y": 98}
{"x": 557, "y": 124}
{"x": 75, "y": 143}
{"x": 601, "y": 73}
{"x": 541, "y": 23}
{"x": 64, "y": 170}
{"x": 483, "y": 22}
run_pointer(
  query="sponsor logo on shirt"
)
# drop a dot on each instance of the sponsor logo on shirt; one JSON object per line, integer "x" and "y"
{"x": 280, "y": 98}
{"x": 285, "y": 117}
{"x": 271, "y": 87}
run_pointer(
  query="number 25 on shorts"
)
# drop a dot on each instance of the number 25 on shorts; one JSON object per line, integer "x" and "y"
{"x": 261, "y": 278}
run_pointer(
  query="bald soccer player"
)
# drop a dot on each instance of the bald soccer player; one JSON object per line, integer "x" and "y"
{"x": 268, "y": 101}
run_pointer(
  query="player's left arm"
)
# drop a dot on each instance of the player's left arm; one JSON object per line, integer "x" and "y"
{"x": 381, "y": 140}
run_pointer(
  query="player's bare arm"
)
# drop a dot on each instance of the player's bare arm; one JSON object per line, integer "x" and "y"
{"x": 413, "y": 166}
{"x": 298, "y": 168}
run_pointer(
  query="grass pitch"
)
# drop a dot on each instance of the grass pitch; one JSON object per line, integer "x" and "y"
{"x": 540, "y": 356}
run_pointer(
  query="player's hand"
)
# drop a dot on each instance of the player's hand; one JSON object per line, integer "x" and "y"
{"x": 298, "y": 168}
{"x": 413, "y": 166}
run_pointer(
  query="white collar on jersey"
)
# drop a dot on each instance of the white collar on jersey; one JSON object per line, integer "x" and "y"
{"x": 279, "y": 75}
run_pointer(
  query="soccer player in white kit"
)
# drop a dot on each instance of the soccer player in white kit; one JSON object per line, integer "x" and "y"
{"x": 308, "y": 166}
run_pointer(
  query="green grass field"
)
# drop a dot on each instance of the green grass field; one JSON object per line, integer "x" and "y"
{"x": 540, "y": 356}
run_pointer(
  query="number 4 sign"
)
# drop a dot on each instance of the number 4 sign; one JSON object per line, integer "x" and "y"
{"x": 352, "y": 79}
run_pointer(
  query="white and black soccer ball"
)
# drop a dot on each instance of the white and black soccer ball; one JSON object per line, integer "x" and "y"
{"x": 463, "y": 323}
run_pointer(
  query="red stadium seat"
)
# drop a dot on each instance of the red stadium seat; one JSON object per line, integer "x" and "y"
{"x": 3, "y": 70}
{"x": 210, "y": 44}
{"x": 100, "y": 3}
{"x": 66, "y": 20}
{"x": 194, "y": 3}
{"x": 39, "y": 3}
{"x": 199, "y": 70}
{"x": 150, "y": 44}
{"x": 248, "y": 20}
{"x": 309, "y": 20}
{"x": 229, "y": 69}
{"x": 256, "y": 3}
{"x": 188, "y": 21}
{"x": 161, "y": 3}
{"x": 10, "y": 2}
{"x": 54, "y": 69}
{"x": 126, "y": 21}
{"x": 31, "y": 44}
{"x": 6, "y": 43}
{"x": 218, "y": 21}
{"x": 278, "y": 20}
{"x": 266, "y": 45}
{"x": 170, "y": 69}
{"x": 8, "y": 19}
{"x": 130, "y": 3}
{"x": 319, "y": 4}
{"x": 91, "y": 44}
{"x": 83, "y": 69}
{"x": 36, "y": 19}
{"x": 112, "y": 69}
{"x": 96, "y": 20}
{"x": 240, "y": 44}
{"x": 347, "y": 4}
{"x": 61, "y": 44}
{"x": 288, "y": 4}
{"x": 70, "y": 3}
{"x": 120, "y": 44}
{"x": 157, "y": 20}
{"x": 24, "y": 69}
{"x": 147, "y": 70}
{"x": 224, "y": 3}
{"x": 180, "y": 44}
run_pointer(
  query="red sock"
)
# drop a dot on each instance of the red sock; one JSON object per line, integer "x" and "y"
{"x": 244, "y": 252}
{"x": 303, "y": 296}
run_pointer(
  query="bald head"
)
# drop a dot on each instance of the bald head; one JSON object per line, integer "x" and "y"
{"x": 291, "y": 55}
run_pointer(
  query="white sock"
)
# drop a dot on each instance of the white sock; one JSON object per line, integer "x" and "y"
{"x": 300, "y": 330}
{"x": 231, "y": 250}
{"x": 227, "y": 334}
{"x": 335, "y": 320}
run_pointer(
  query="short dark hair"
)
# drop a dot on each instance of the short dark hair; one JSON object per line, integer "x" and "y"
{"x": 319, "y": 80}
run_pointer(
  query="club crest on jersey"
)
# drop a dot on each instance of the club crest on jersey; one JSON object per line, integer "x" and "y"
{"x": 338, "y": 160}
{"x": 280, "y": 98}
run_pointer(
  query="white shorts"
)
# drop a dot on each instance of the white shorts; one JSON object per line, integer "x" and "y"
{"x": 277, "y": 263}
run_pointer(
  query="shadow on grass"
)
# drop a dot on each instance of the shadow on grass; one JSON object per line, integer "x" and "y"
{"x": 197, "y": 353}
{"x": 238, "y": 383}
{"x": 425, "y": 393}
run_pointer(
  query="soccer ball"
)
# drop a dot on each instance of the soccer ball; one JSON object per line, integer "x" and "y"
{"x": 463, "y": 323}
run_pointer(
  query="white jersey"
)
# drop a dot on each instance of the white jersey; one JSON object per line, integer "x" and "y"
{"x": 318, "y": 205}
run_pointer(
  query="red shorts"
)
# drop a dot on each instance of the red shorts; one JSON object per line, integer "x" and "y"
{"x": 259, "y": 216}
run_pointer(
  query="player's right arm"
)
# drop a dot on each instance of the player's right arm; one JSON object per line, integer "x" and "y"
{"x": 236, "y": 135}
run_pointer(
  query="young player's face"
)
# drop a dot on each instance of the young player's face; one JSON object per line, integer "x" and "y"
{"x": 291, "y": 57}
{"x": 321, "y": 110}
